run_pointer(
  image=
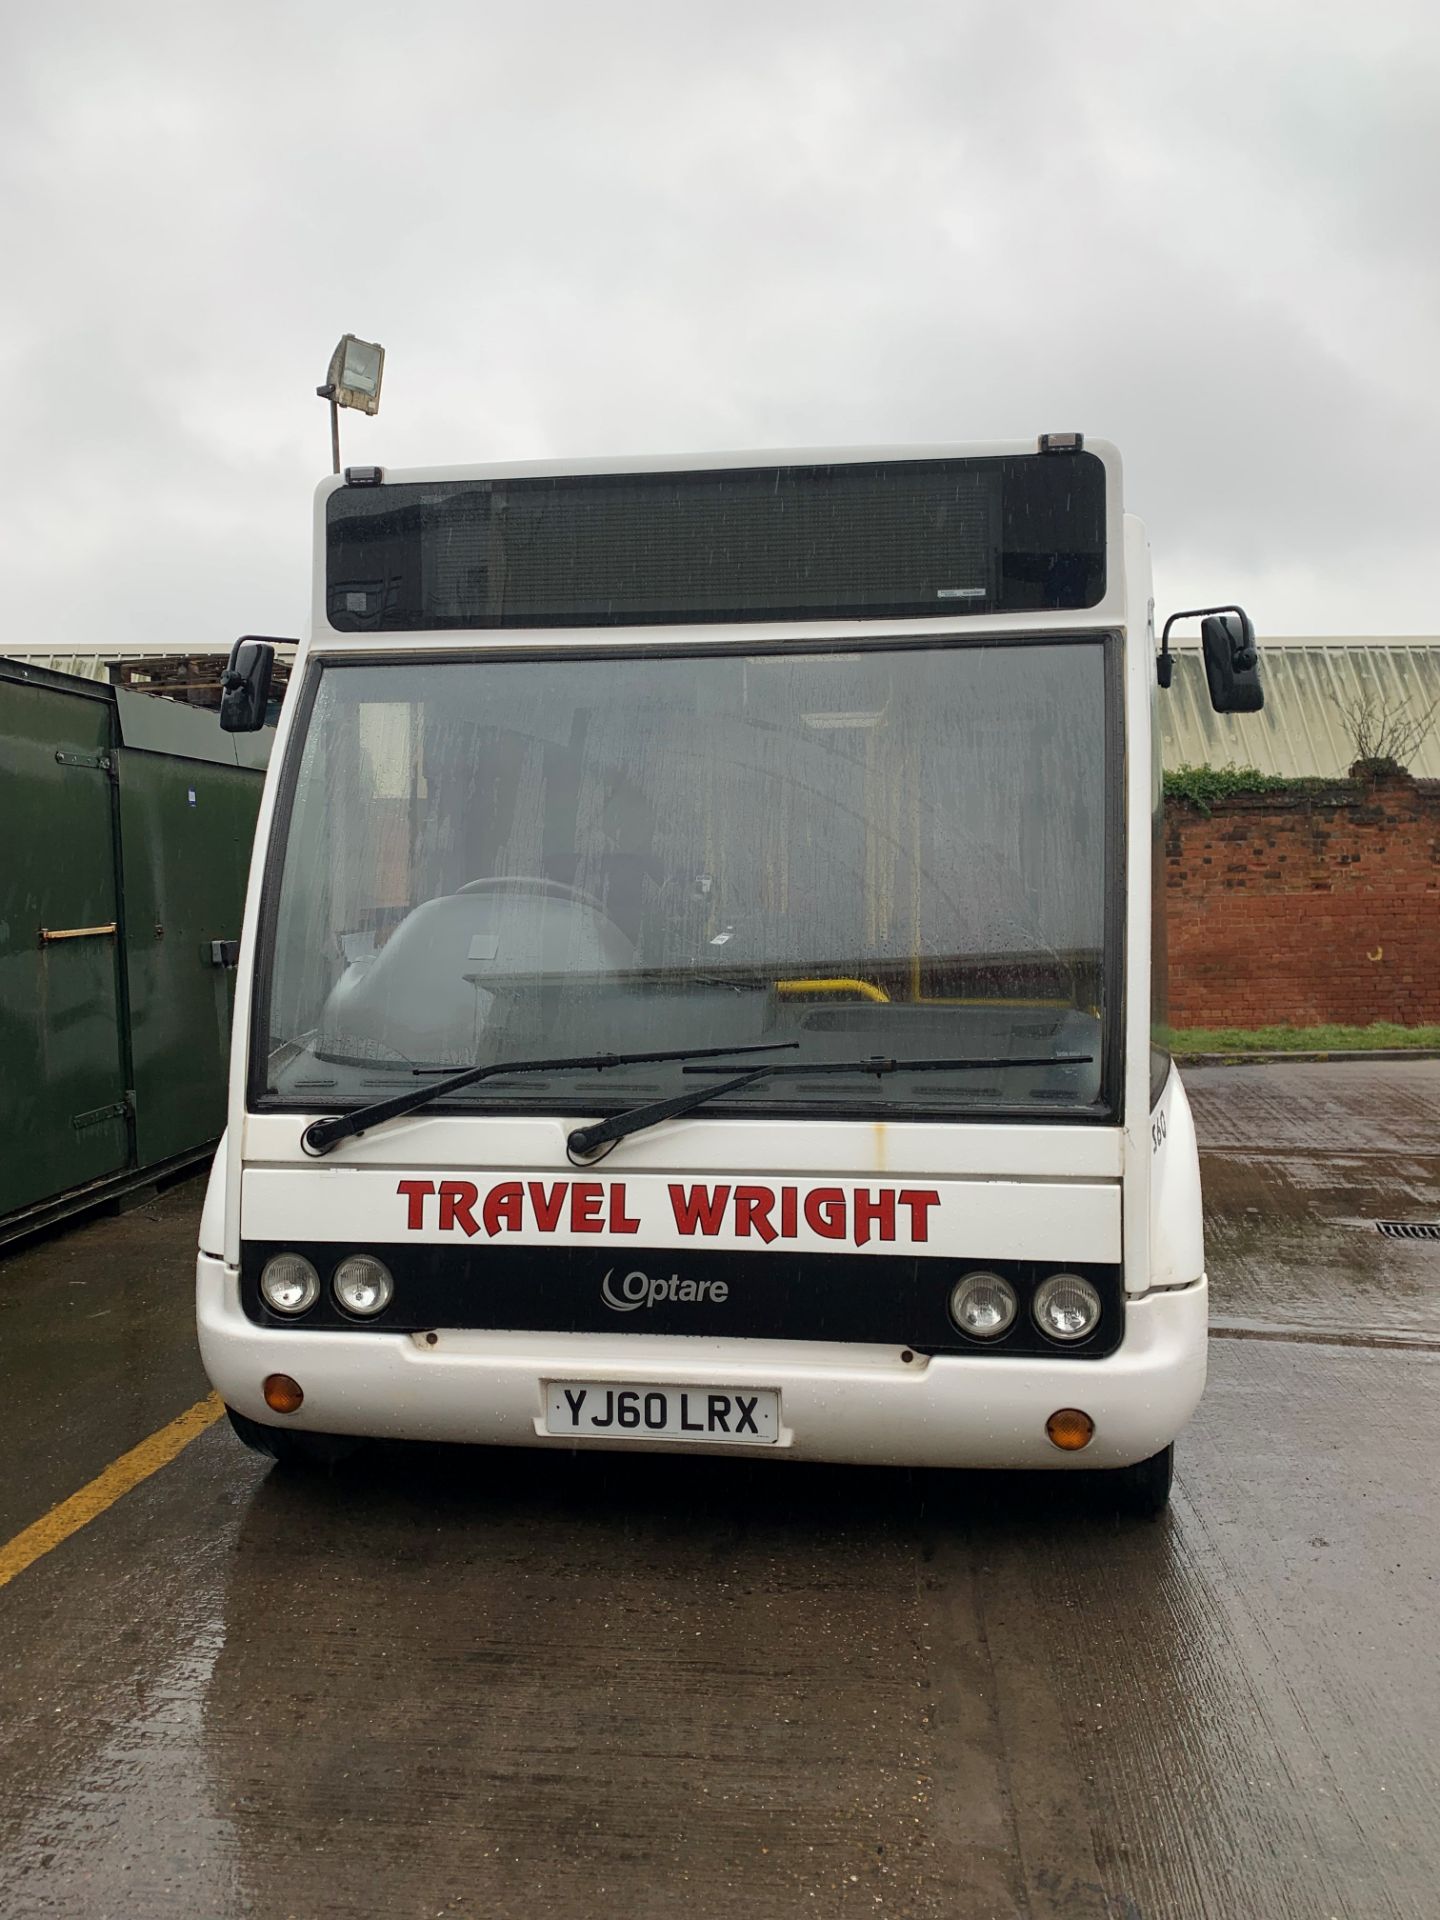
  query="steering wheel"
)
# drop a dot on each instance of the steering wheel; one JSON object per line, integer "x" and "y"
{"x": 532, "y": 883}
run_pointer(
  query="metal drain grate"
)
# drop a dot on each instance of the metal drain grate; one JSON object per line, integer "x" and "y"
{"x": 1410, "y": 1229}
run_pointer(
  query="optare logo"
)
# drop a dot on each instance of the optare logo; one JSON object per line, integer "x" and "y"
{"x": 649, "y": 1290}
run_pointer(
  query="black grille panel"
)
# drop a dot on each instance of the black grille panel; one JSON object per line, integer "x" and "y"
{"x": 880, "y": 1301}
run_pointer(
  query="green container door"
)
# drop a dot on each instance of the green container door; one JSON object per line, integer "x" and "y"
{"x": 62, "y": 1074}
{"x": 186, "y": 828}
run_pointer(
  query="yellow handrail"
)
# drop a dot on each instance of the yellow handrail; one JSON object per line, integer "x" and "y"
{"x": 862, "y": 987}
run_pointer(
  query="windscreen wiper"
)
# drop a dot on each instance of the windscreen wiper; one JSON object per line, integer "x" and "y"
{"x": 321, "y": 1135}
{"x": 585, "y": 1141}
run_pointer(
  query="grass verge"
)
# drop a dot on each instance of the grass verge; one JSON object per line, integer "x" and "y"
{"x": 1328, "y": 1039}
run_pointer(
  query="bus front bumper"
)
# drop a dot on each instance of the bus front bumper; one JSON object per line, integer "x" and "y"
{"x": 863, "y": 1405}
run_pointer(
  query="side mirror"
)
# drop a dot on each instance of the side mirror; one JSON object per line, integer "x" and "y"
{"x": 245, "y": 686}
{"x": 1232, "y": 664}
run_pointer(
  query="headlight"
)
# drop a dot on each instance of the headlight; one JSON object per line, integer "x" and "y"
{"x": 982, "y": 1304}
{"x": 289, "y": 1284}
{"x": 1066, "y": 1307}
{"x": 362, "y": 1284}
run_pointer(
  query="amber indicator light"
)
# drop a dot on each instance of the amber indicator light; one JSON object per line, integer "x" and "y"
{"x": 284, "y": 1395}
{"x": 1070, "y": 1429}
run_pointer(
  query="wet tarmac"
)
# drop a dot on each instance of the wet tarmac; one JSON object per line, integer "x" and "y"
{"x": 455, "y": 1683}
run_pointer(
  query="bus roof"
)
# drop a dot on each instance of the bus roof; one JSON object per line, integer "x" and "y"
{"x": 738, "y": 458}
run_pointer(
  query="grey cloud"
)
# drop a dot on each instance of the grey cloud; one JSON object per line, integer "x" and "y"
{"x": 1208, "y": 236}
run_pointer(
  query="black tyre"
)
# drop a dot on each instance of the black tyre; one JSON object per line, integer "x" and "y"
{"x": 1144, "y": 1489}
{"x": 288, "y": 1446}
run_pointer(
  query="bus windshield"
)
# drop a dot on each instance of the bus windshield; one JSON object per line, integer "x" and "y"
{"x": 899, "y": 851}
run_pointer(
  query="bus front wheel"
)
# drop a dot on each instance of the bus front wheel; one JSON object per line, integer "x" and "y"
{"x": 288, "y": 1446}
{"x": 1144, "y": 1489}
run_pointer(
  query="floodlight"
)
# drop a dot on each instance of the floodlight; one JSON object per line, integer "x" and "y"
{"x": 356, "y": 368}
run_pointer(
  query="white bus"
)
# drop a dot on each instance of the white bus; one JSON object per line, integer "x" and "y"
{"x": 697, "y": 981}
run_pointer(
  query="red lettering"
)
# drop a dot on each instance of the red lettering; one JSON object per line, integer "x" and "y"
{"x": 457, "y": 1197}
{"x": 416, "y": 1193}
{"x": 877, "y": 1211}
{"x": 919, "y": 1200}
{"x": 548, "y": 1204}
{"x": 789, "y": 1206}
{"x": 504, "y": 1208}
{"x": 752, "y": 1208}
{"x": 587, "y": 1198}
{"x": 753, "y": 1212}
{"x": 699, "y": 1207}
{"x": 620, "y": 1221}
{"x": 825, "y": 1212}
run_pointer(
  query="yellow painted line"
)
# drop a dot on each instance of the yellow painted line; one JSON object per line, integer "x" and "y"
{"x": 56, "y": 1526}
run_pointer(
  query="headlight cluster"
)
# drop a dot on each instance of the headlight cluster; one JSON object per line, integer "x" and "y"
{"x": 290, "y": 1284}
{"x": 1065, "y": 1308}
{"x": 983, "y": 1304}
{"x": 361, "y": 1285}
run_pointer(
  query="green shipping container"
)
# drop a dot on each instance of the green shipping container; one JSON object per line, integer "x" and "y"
{"x": 128, "y": 822}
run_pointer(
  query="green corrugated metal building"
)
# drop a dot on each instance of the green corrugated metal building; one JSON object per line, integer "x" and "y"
{"x": 128, "y": 825}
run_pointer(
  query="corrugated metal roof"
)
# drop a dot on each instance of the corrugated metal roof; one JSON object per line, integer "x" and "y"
{"x": 94, "y": 659}
{"x": 1309, "y": 684}
{"x": 87, "y": 666}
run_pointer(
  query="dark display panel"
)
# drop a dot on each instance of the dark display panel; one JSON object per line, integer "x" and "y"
{"x": 1012, "y": 534}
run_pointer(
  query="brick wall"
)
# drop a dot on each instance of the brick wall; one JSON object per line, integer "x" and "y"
{"x": 1305, "y": 908}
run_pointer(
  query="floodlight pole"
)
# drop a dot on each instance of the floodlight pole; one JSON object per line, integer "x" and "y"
{"x": 352, "y": 380}
{"x": 328, "y": 393}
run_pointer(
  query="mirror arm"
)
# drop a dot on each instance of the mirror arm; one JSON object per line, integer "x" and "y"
{"x": 1165, "y": 660}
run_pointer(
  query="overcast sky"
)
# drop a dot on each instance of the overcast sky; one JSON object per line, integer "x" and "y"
{"x": 1210, "y": 233}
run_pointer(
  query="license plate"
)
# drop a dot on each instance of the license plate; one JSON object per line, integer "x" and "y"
{"x": 606, "y": 1410}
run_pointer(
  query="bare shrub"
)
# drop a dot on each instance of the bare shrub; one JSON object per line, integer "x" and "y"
{"x": 1385, "y": 734}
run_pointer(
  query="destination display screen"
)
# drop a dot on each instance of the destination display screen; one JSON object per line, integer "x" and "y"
{"x": 1012, "y": 534}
